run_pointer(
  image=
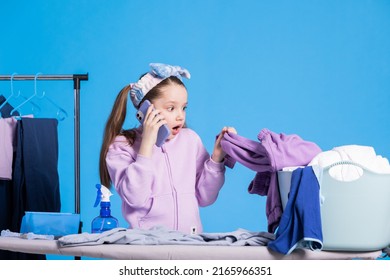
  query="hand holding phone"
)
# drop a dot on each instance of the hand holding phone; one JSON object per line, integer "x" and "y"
{"x": 163, "y": 132}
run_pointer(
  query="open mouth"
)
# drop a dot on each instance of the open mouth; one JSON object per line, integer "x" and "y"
{"x": 176, "y": 129}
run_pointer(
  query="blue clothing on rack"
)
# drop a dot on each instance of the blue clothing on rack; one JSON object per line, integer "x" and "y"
{"x": 5, "y": 212}
{"x": 35, "y": 174}
{"x": 300, "y": 225}
{"x": 5, "y": 111}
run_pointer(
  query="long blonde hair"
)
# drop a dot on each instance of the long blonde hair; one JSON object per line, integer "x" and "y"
{"x": 116, "y": 120}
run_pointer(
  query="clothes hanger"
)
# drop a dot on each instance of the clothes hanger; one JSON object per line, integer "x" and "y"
{"x": 61, "y": 113}
{"x": 5, "y": 106}
{"x": 31, "y": 97}
{"x": 12, "y": 92}
{"x": 35, "y": 108}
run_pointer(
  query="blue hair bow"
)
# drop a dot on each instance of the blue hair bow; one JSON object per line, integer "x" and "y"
{"x": 164, "y": 71}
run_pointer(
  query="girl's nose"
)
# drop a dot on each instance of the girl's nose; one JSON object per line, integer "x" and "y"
{"x": 180, "y": 115}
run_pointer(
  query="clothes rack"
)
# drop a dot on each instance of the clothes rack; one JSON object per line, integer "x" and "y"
{"x": 77, "y": 78}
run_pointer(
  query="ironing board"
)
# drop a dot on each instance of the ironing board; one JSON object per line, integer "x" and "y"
{"x": 175, "y": 252}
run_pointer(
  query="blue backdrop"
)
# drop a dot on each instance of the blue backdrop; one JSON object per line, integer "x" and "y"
{"x": 319, "y": 69}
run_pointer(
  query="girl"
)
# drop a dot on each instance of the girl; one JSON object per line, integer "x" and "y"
{"x": 160, "y": 186}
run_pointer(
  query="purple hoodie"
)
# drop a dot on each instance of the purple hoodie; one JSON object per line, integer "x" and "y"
{"x": 272, "y": 153}
{"x": 167, "y": 188}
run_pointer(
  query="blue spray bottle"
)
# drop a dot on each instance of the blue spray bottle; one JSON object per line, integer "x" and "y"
{"x": 104, "y": 221}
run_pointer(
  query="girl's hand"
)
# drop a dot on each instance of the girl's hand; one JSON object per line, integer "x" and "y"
{"x": 152, "y": 122}
{"x": 218, "y": 154}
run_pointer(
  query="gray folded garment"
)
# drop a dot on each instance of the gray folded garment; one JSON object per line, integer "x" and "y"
{"x": 29, "y": 235}
{"x": 162, "y": 236}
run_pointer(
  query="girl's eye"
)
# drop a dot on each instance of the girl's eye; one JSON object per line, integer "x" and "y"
{"x": 184, "y": 108}
{"x": 170, "y": 109}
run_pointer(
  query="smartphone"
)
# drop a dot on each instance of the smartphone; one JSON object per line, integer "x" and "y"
{"x": 163, "y": 132}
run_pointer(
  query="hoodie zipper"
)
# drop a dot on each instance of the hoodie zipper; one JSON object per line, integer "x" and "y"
{"x": 174, "y": 193}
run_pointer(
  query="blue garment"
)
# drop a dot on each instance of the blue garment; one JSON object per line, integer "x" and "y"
{"x": 6, "y": 109}
{"x": 5, "y": 212}
{"x": 300, "y": 225}
{"x": 35, "y": 173}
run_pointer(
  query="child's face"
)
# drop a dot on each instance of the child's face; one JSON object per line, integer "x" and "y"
{"x": 173, "y": 105}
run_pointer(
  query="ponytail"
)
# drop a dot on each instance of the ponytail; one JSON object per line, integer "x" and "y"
{"x": 112, "y": 129}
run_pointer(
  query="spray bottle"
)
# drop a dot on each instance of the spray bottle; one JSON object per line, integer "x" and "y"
{"x": 104, "y": 221}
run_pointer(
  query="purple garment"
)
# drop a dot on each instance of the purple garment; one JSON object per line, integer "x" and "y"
{"x": 272, "y": 153}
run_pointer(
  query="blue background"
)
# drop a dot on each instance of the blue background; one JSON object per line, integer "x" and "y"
{"x": 319, "y": 69}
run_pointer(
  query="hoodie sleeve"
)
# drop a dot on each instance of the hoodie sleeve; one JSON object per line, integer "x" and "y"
{"x": 210, "y": 176}
{"x": 123, "y": 163}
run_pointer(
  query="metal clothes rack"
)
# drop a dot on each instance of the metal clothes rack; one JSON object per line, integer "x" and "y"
{"x": 77, "y": 78}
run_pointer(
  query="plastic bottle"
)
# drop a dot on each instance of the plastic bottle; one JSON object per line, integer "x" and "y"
{"x": 104, "y": 221}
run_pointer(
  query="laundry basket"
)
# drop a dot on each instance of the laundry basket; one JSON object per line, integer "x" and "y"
{"x": 355, "y": 215}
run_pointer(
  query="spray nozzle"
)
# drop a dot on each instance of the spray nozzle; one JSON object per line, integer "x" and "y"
{"x": 103, "y": 194}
